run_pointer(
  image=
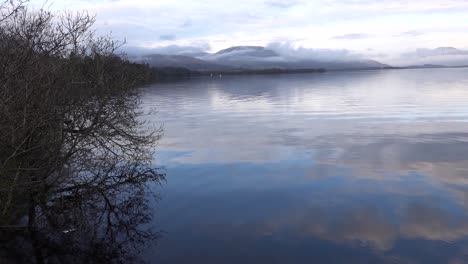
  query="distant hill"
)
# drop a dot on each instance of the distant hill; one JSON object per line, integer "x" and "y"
{"x": 256, "y": 57}
{"x": 252, "y": 51}
{"x": 251, "y": 58}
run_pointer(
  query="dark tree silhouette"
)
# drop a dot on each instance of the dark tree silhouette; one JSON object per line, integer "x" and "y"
{"x": 75, "y": 159}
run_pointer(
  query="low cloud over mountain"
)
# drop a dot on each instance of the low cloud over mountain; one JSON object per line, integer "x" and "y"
{"x": 275, "y": 55}
{"x": 190, "y": 50}
{"x": 284, "y": 55}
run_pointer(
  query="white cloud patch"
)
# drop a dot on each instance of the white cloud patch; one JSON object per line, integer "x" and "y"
{"x": 282, "y": 3}
{"x": 289, "y": 50}
{"x": 352, "y": 36}
{"x": 167, "y": 37}
{"x": 166, "y": 50}
{"x": 442, "y": 51}
{"x": 447, "y": 56}
{"x": 412, "y": 33}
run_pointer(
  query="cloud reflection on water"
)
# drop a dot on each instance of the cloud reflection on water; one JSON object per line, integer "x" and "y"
{"x": 369, "y": 165}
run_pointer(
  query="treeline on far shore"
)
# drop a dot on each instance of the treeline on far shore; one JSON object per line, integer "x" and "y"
{"x": 155, "y": 74}
{"x": 260, "y": 71}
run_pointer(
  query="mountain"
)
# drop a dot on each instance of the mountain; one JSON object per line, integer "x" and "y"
{"x": 252, "y": 51}
{"x": 253, "y": 58}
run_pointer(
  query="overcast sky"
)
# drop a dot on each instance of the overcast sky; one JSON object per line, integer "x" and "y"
{"x": 379, "y": 29}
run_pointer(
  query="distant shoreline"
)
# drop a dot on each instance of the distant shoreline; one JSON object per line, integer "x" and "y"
{"x": 292, "y": 71}
{"x": 398, "y": 68}
{"x": 175, "y": 73}
{"x": 259, "y": 71}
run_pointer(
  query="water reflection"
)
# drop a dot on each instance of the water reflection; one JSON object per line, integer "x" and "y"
{"x": 358, "y": 167}
{"x": 99, "y": 221}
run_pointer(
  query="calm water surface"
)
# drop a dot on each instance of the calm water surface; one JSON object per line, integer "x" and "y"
{"x": 349, "y": 167}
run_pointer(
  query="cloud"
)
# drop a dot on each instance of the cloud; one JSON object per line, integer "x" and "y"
{"x": 447, "y": 56}
{"x": 352, "y": 36}
{"x": 167, "y": 50}
{"x": 285, "y": 51}
{"x": 167, "y": 37}
{"x": 442, "y": 51}
{"x": 288, "y": 50}
{"x": 186, "y": 24}
{"x": 282, "y": 3}
{"x": 320, "y": 24}
{"x": 412, "y": 33}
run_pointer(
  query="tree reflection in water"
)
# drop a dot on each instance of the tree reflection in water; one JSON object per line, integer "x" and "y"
{"x": 98, "y": 222}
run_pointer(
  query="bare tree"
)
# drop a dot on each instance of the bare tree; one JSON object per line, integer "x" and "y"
{"x": 70, "y": 127}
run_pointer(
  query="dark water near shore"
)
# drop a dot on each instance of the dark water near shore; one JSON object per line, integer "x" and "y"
{"x": 348, "y": 167}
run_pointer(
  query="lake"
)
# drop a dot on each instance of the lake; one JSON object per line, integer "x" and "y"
{"x": 338, "y": 167}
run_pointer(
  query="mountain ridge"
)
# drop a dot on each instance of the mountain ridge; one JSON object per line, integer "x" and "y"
{"x": 262, "y": 59}
{"x": 252, "y": 58}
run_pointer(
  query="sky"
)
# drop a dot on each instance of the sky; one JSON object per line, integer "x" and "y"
{"x": 386, "y": 30}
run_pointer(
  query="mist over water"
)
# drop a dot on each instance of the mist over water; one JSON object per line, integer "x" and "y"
{"x": 339, "y": 167}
